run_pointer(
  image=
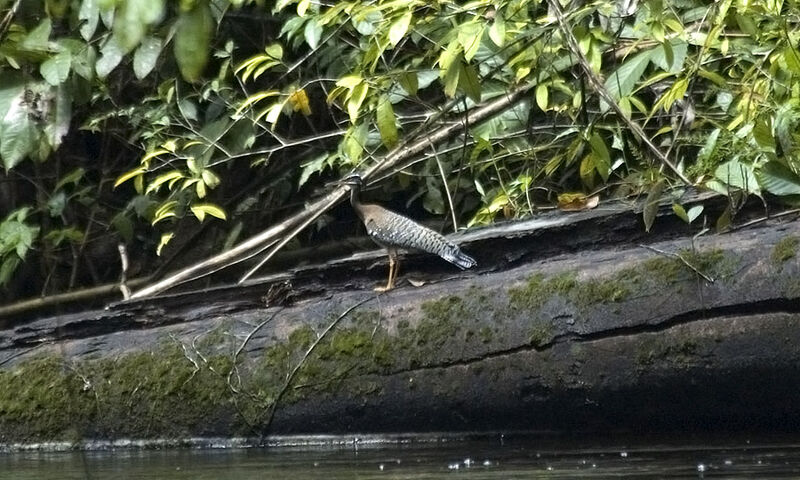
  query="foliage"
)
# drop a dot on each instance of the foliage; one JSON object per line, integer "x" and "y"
{"x": 178, "y": 112}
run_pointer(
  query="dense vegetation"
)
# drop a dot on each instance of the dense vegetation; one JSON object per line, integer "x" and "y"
{"x": 168, "y": 125}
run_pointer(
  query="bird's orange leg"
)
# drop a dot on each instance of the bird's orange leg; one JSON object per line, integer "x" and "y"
{"x": 392, "y": 273}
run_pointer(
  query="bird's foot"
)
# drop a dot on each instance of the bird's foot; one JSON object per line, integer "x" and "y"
{"x": 383, "y": 289}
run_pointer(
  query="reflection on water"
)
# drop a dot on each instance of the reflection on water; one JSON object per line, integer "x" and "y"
{"x": 511, "y": 458}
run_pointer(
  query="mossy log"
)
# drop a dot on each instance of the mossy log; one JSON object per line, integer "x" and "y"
{"x": 575, "y": 322}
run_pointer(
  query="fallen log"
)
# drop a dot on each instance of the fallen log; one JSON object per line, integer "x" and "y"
{"x": 572, "y": 323}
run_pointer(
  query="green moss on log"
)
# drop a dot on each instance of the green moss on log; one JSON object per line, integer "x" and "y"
{"x": 784, "y": 250}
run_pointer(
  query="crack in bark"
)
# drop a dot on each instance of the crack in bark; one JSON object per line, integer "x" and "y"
{"x": 768, "y": 306}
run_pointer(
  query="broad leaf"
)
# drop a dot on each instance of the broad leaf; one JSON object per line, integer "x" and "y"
{"x": 201, "y": 209}
{"x": 313, "y": 33}
{"x": 651, "y": 204}
{"x": 469, "y": 82}
{"x": 89, "y": 12}
{"x": 778, "y": 179}
{"x": 145, "y": 57}
{"x": 111, "y": 55}
{"x": 399, "y": 28}
{"x": 621, "y": 82}
{"x": 386, "y": 122}
{"x": 19, "y": 136}
{"x": 192, "y": 41}
{"x": 55, "y": 69}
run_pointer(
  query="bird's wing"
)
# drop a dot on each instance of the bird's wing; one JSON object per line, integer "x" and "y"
{"x": 393, "y": 229}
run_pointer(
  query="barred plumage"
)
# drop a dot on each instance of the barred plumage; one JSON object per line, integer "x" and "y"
{"x": 394, "y": 231}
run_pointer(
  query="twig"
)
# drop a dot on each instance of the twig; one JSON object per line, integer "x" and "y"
{"x": 123, "y": 258}
{"x": 280, "y": 245}
{"x": 679, "y": 257}
{"x": 605, "y": 96}
{"x": 764, "y": 219}
{"x": 296, "y": 368}
{"x": 241, "y": 348}
{"x": 446, "y": 189}
{"x": 7, "y": 19}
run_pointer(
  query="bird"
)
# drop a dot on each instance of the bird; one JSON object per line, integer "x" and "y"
{"x": 393, "y": 231}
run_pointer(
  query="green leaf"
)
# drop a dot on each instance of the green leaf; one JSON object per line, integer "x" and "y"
{"x": 357, "y": 97}
{"x": 680, "y": 212}
{"x": 128, "y": 175}
{"x": 778, "y": 179}
{"x": 714, "y": 77}
{"x": 651, "y": 204}
{"x": 19, "y": 136}
{"x": 469, "y": 82}
{"x": 542, "y": 96}
{"x": 132, "y": 19}
{"x": 738, "y": 175}
{"x": 7, "y": 269}
{"x": 399, "y": 28}
{"x": 621, "y": 82}
{"x": 497, "y": 32}
{"x": 762, "y": 134}
{"x": 602, "y": 158}
{"x": 38, "y": 38}
{"x": 709, "y": 147}
{"x": 165, "y": 238}
{"x": 409, "y": 82}
{"x": 469, "y": 36}
{"x": 55, "y": 69}
{"x": 587, "y": 169}
{"x": 56, "y": 204}
{"x": 354, "y": 142}
{"x": 89, "y": 12}
{"x": 670, "y": 58}
{"x": 312, "y": 33}
{"x": 387, "y": 125}
{"x": 792, "y": 58}
{"x": 311, "y": 167}
{"x": 451, "y": 78}
{"x": 124, "y": 226}
{"x": 193, "y": 40}
{"x": 72, "y": 177}
{"x": 694, "y": 212}
{"x": 111, "y": 55}
{"x": 201, "y": 209}
{"x": 145, "y": 57}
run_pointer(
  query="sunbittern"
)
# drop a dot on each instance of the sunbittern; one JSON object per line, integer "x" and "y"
{"x": 394, "y": 231}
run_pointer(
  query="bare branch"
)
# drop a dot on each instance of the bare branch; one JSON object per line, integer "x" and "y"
{"x": 316, "y": 208}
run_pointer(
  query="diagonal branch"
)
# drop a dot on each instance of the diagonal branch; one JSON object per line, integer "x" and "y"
{"x": 598, "y": 87}
{"x": 319, "y": 206}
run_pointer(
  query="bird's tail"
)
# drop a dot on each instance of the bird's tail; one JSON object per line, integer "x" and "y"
{"x": 454, "y": 255}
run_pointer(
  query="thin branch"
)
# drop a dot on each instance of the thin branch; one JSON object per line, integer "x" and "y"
{"x": 296, "y": 368}
{"x": 123, "y": 285}
{"x": 446, "y": 189}
{"x": 317, "y": 207}
{"x": 8, "y": 18}
{"x": 605, "y": 96}
{"x": 244, "y": 344}
{"x": 679, "y": 257}
{"x": 280, "y": 245}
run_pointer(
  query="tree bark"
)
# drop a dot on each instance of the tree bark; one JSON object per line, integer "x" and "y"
{"x": 571, "y": 322}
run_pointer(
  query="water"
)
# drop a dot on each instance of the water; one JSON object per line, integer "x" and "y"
{"x": 486, "y": 459}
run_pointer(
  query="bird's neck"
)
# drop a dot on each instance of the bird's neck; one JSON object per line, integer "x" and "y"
{"x": 355, "y": 193}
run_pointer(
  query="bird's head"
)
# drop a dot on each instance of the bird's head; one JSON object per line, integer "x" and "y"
{"x": 353, "y": 180}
